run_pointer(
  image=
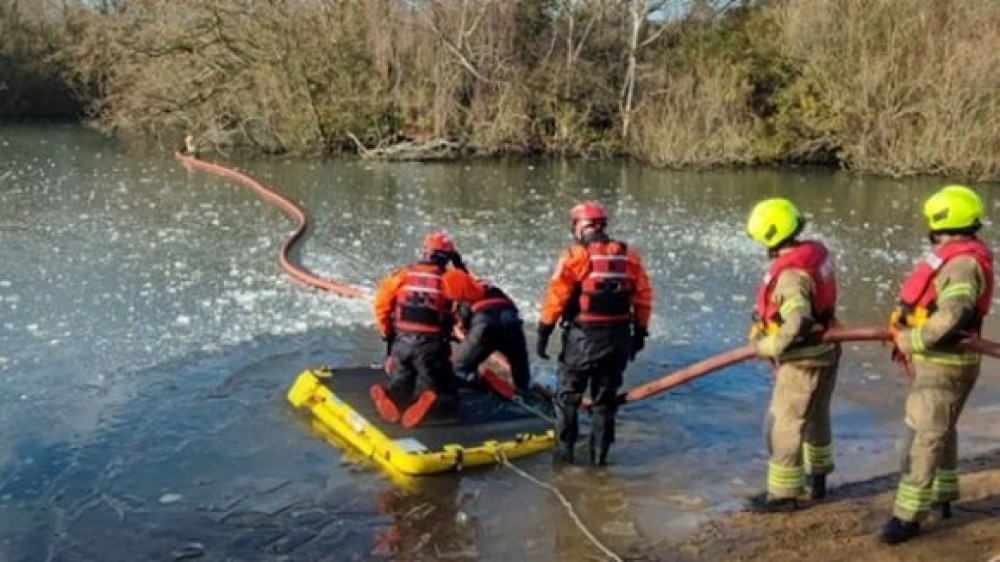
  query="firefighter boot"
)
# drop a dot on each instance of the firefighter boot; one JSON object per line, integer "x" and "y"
{"x": 598, "y": 452}
{"x": 564, "y": 453}
{"x": 944, "y": 508}
{"x": 896, "y": 531}
{"x": 762, "y": 503}
{"x": 817, "y": 486}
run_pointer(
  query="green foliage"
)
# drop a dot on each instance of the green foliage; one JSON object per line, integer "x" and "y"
{"x": 31, "y": 82}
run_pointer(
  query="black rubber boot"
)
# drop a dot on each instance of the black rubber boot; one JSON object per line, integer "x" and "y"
{"x": 944, "y": 508}
{"x": 764, "y": 504}
{"x": 602, "y": 454}
{"x": 564, "y": 453}
{"x": 896, "y": 531}
{"x": 817, "y": 486}
{"x": 598, "y": 455}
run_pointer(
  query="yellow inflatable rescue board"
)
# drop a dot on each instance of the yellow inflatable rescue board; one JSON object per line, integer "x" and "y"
{"x": 486, "y": 429}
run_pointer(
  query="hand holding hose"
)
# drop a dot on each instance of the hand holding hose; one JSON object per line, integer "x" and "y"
{"x": 901, "y": 350}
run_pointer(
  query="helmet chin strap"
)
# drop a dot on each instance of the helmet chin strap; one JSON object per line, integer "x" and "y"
{"x": 776, "y": 251}
{"x": 586, "y": 231}
{"x": 940, "y": 236}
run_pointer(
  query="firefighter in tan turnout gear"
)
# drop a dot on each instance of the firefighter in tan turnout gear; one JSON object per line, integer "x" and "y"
{"x": 945, "y": 297}
{"x": 795, "y": 305}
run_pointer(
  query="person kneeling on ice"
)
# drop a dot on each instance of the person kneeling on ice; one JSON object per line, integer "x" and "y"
{"x": 414, "y": 313}
{"x": 946, "y": 297}
{"x": 796, "y": 303}
{"x": 492, "y": 324}
{"x": 601, "y": 296}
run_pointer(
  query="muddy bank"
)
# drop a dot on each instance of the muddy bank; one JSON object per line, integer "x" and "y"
{"x": 845, "y": 527}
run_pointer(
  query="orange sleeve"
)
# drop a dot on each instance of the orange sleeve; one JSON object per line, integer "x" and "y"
{"x": 459, "y": 286}
{"x": 385, "y": 300}
{"x": 571, "y": 268}
{"x": 642, "y": 300}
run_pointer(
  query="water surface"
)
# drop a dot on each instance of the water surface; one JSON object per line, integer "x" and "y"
{"x": 147, "y": 338}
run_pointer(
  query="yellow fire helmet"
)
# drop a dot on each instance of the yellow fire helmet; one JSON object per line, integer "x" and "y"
{"x": 772, "y": 221}
{"x": 953, "y": 207}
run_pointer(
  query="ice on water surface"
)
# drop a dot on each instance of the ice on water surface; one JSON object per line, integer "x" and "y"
{"x": 147, "y": 334}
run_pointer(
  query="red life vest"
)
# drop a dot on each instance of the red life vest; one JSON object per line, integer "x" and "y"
{"x": 812, "y": 258}
{"x": 493, "y": 298}
{"x": 605, "y": 294}
{"x": 918, "y": 295}
{"x": 421, "y": 305}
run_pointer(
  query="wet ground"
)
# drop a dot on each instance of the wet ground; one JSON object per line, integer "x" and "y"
{"x": 147, "y": 338}
{"x": 844, "y": 527}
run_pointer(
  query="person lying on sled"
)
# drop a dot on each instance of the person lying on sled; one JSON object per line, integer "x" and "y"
{"x": 492, "y": 324}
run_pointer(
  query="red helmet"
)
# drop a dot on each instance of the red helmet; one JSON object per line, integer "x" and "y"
{"x": 587, "y": 215}
{"x": 439, "y": 241}
{"x": 588, "y": 211}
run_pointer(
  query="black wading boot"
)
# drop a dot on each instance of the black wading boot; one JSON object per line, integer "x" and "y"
{"x": 564, "y": 454}
{"x": 944, "y": 508}
{"x": 817, "y": 486}
{"x": 598, "y": 455}
{"x": 896, "y": 531}
{"x": 762, "y": 503}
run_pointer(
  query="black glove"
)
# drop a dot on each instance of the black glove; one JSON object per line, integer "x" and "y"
{"x": 544, "y": 333}
{"x": 456, "y": 260}
{"x": 389, "y": 339}
{"x": 638, "y": 339}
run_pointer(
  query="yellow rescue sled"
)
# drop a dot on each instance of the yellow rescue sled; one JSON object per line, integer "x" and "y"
{"x": 487, "y": 428}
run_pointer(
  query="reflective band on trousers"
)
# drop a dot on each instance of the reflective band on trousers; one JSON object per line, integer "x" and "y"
{"x": 817, "y": 457}
{"x": 912, "y": 499}
{"x": 784, "y": 477}
{"x": 946, "y": 481}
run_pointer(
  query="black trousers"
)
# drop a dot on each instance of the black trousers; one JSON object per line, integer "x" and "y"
{"x": 495, "y": 330}
{"x": 421, "y": 362}
{"x": 594, "y": 358}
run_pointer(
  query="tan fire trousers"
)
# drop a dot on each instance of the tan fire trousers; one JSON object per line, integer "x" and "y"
{"x": 799, "y": 434}
{"x": 935, "y": 401}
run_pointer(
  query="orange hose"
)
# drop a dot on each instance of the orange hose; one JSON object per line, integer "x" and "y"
{"x": 689, "y": 373}
{"x": 294, "y": 212}
{"x": 741, "y": 354}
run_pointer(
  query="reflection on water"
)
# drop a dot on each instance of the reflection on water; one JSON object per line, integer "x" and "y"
{"x": 147, "y": 338}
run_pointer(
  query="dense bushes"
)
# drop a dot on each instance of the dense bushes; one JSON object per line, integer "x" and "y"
{"x": 32, "y": 81}
{"x": 890, "y": 86}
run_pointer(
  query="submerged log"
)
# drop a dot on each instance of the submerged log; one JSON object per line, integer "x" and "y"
{"x": 412, "y": 150}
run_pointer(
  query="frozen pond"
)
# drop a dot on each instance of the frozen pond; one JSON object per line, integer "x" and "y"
{"x": 147, "y": 338}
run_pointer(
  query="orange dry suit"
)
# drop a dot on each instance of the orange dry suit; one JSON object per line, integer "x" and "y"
{"x": 601, "y": 294}
{"x": 414, "y": 312}
{"x": 600, "y": 283}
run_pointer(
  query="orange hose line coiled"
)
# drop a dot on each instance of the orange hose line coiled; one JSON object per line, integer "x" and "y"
{"x": 293, "y": 211}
